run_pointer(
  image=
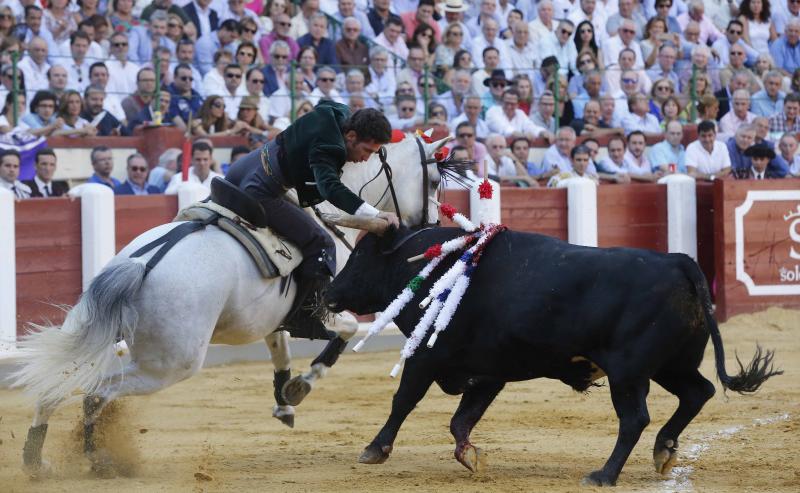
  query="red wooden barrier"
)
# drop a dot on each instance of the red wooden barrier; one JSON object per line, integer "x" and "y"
{"x": 539, "y": 210}
{"x": 134, "y": 215}
{"x": 758, "y": 245}
{"x": 48, "y": 251}
{"x": 632, "y": 215}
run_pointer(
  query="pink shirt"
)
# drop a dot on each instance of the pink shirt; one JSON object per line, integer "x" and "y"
{"x": 266, "y": 41}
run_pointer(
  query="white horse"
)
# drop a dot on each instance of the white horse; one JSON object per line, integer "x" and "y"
{"x": 205, "y": 290}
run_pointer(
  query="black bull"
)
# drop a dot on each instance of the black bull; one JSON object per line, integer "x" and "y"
{"x": 540, "y": 307}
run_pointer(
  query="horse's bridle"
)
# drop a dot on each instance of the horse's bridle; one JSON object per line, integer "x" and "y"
{"x": 387, "y": 170}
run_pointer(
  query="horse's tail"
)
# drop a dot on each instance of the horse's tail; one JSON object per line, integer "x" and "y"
{"x": 760, "y": 368}
{"x": 58, "y": 361}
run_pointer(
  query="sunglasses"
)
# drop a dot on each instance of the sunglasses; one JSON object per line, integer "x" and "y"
{"x": 630, "y": 81}
{"x": 233, "y": 76}
{"x": 497, "y": 84}
{"x": 631, "y": 31}
{"x": 218, "y": 104}
{"x": 138, "y": 169}
{"x": 257, "y": 81}
{"x": 280, "y": 57}
{"x": 326, "y": 79}
{"x": 456, "y": 33}
{"x": 5, "y": 16}
{"x": 465, "y": 136}
{"x": 186, "y": 78}
{"x": 249, "y": 30}
{"x": 428, "y": 85}
{"x": 119, "y": 45}
{"x": 567, "y": 32}
{"x": 406, "y": 110}
{"x": 585, "y": 62}
{"x": 663, "y": 6}
{"x": 437, "y": 113}
{"x": 284, "y": 24}
{"x": 731, "y": 31}
{"x": 247, "y": 53}
{"x": 174, "y": 25}
{"x": 585, "y": 30}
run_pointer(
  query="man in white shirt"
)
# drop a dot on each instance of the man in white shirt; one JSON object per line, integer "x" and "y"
{"x": 510, "y": 121}
{"x": 326, "y": 79}
{"x": 696, "y": 12}
{"x": 391, "y": 38}
{"x": 625, "y": 38}
{"x": 488, "y": 37}
{"x": 635, "y": 162}
{"x": 472, "y": 115}
{"x": 707, "y": 158}
{"x": 541, "y": 27}
{"x": 35, "y": 66}
{"x": 280, "y": 103}
{"x": 235, "y": 90}
{"x": 125, "y": 71}
{"x": 382, "y": 83}
{"x": 522, "y": 52}
{"x": 738, "y": 115}
{"x": 200, "y": 171}
{"x": 99, "y": 76}
{"x": 557, "y": 155}
{"x": 491, "y": 60}
{"x": 184, "y": 53}
{"x": 77, "y": 66}
{"x": 453, "y": 100}
{"x": 561, "y": 46}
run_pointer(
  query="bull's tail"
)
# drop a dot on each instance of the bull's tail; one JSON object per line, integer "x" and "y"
{"x": 57, "y": 361}
{"x": 760, "y": 368}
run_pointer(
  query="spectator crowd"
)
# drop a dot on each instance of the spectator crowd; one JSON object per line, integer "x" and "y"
{"x": 497, "y": 74}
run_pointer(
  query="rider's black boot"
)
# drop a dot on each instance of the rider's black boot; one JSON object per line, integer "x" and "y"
{"x": 307, "y": 312}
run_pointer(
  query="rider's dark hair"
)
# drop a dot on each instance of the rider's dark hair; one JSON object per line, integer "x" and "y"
{"x": 369, "y": 124}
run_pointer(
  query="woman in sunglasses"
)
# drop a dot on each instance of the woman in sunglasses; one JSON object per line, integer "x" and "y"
{"x": 69, "y": 110}
{"x": 585, "y": 40}
{"x": 662, "y": 90}
{"x": 213, "y": 120}
{"x": 446, "y": 51}
{"x": 7, "y": 21}
{"x": 423, "y": 37}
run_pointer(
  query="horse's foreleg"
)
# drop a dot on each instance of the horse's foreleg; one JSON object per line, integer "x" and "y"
{"x": 278, "y": 345}
{"x": 345, "y": 326}
{"x": 32, "y": 451}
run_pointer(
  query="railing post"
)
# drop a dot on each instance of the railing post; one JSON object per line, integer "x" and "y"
{"x": 8, "y": 271}
{"x": 98, "y": 233}
{"x": 681, "y": 214}
{"x": 15, "y": 86}
{"x": 292, "y": 75}
{"x": 487, "y": 210}
{"x": 581, "y": 210}
{"x": 556, "y": 91}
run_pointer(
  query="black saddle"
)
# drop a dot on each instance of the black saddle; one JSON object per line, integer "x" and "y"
{"x": 237, "y": 200}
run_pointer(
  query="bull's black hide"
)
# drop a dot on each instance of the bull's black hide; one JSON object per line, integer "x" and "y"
{"x": 540, "y": 307}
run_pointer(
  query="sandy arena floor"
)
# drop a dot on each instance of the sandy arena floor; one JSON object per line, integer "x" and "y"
{"x": 539, "y": 436}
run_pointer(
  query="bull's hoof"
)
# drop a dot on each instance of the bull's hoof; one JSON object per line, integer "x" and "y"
{"x": 375, "y": 454}
{"x": 471, "y": 457}
{"x": 599, "y": 478}
{"x": 295, "y": 390}
{"x": 102, "y": 465}
{"x": 284, "y": 414}
{"x": 665, "y": 455}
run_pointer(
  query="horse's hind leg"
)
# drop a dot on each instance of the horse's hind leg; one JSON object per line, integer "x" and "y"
{"x": 345, "y": 326}
{"x": 693, "y": 391}
{"x": 32, "y": 451}
{"x": 278, "y": 345}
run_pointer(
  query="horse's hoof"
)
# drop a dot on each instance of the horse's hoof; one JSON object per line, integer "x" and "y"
{"x": 284, "y": 414}
{"x": 375, "y": 454}
{"x": 295, "y": 390}
{"x": 665, "y": 455}
{"x": 40, "y": 470}
{"x": 598, "y": 478}
{"x": 471, "y": 457}
{"x": 102, "y": 465}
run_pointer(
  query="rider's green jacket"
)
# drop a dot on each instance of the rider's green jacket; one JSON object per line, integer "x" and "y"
{"x": 313, "y": 155}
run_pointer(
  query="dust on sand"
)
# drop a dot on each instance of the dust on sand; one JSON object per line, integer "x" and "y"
{"x": 214, "y": 433}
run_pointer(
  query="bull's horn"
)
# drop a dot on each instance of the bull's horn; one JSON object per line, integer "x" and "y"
{"x": 370, "y": 224}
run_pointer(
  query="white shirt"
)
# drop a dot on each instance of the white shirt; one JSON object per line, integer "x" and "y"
{"x": 636, "y": 167}
{"x": 567, "y": 54}
{"x": 19, "y": 189}
{"x": 647, "y": 124}
{"x": 113, "y": 104}
{"x": 729, "y": 123}
{"x": 523, "y": 59}
{"x": 77, "y": 75}
{"x": 705, "y": 162}
{"x": 203, "y": 16}
{"x": 177, "y": 179}
{"x": 481, "y": 128}
{"x": 381, "y": 86}
{"x": 121, "y": 78}
{"x": 280, "y": 103}
{"x": 232, "y": 102}
{"x": 539, "y": 31}
{"x": 213, "y": 83}
{"x": 505, "y": 168}
{"x": 614, "y": 45}
{"x": 316, "y": 95}
{"x": 35, "y": 75}
{"x": 479, "y": 43}
{"x": 399, "y": 47}
{"x": 499, "y": 122}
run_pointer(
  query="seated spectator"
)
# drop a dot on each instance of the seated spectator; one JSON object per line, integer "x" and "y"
{"x": 223, "y": 39}
{"x": 558, "y": 84}
{"x": 786, "y": 49}
{"x": 738, "y": 115}
{"x": 42, "y": 121}
{"x": 382, "y": 83}
{"x": 558, "y": 155}
{"x": 200, "y": 171}
{"x": 317, "y": 38}
{"x": 214, "y": 80}
{"x": 177, "y": 27}
{"x": 307, "y": 64}
{"x": 280, "y": 33}
{"x": 609, "y": 115}
{"x": 460, "y": 153}
{"x": 254, "y": 83}
{"x": 391, "y": 38}
{"x": 580, "y": 158}
{"x": 760, "y": 156}
{"x": 669, "y": 155}
{"x": 497, "y": 84}
{"x": 237, "y": 153}
{"x": 42, "y": 184}
{"x": 591, "y": 125}
{"x": 636, "y": 163}
{"x": 521, "y": 149}
{"x": 472, "y": 115}
{"x": 280, "y": 103}
{"x": 700, "y": 64}
{"x": 136, "y": 184}
{"x": 707, "y": 109}
{"x": 249, "y": 116}
{"x": 423, "y": 14}
{"x": 99, "y": 76}
{"x": 165, "y": 169}
{"x": 592, "y": 85}
{"x": 185, "y": 101}
{"x": 522, "y": 83}
{"x": 145, "y": 39}
{"x": 463, "y": 60}
{"x": 235, "y": 89}
{"x": 103, "y": 121}
{"x": 665, "y": 68}
{"x": 213, "y": 120}
{"x": 151, "y": 114}
{"x": 120, "y": 64}
{"x": 544, "y": 114}
{"x": 437, "y": 114}
{"x": 510, "y": 121}
{"x": 745, "y": 137}
{"x": 737, "y": 65}
{"x": 671, "y": 112}
{"x": 354, "y": 85}
{"x": 276, "y": 72}
{"x": 696, "y": 93}
{"x": 247, "y": 55}
{"x": 769, "y": 101}
{"x": 639, "y": 118}
{"x": 451, "y": 43}
{"x": 351, "y": 51}
{"x": 788, "y": 158}
{"x": 123, "y": 19}
{"x": 406, "y": 113}
{"x": 465, "y": 137}
{"x": 453, "y": 99}
{"x": 789, "y": 119}
{"x": 761, "y": 124}
{"x": 103, "y": 165}
{"x": 423, "y": 38}
{"x": 184, "y": 53}
{"x": 9, "y": 174}
{"x": 661, "y": 91}
{"x": 707, "y": 158}
{"x": 696, "y": 12}
{"x": 612, "y": 167}
{"x": 506, "y": 168}
{"x": 145, "y": 91}
{"x": 326, "y": 82}
{"x": 7, "y": 123}
{"x": 35, "y": 65}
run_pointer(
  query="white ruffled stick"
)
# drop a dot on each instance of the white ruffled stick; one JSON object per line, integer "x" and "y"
{"x": 415, "y": 339}
{"x": 396, "y": 306}
{"x": 449, "y": 307}
{"x": 444, "y": 282}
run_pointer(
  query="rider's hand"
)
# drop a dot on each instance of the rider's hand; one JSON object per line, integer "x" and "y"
{"x": 389, "y": 217}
